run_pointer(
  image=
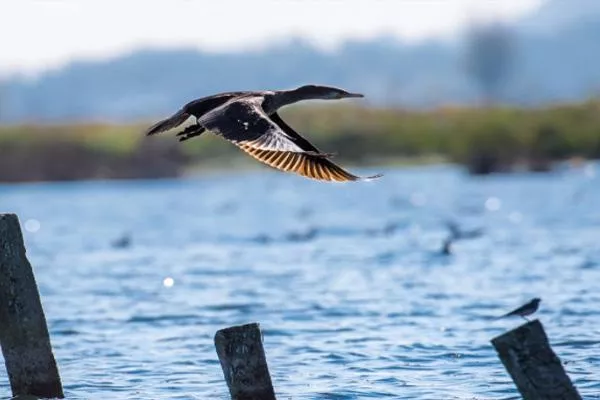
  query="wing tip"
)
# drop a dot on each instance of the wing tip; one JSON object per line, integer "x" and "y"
{"x": 166, "y": 124}
{"x": 151, "y": 132}
{"x": 371, "y": 178}
{"x": 350, "y": 178}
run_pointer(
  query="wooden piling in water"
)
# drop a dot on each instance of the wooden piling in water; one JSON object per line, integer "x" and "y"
{"x": 24, "y": 334}
{"x": 244, "y": 364}
{"x": 533, "y": 366}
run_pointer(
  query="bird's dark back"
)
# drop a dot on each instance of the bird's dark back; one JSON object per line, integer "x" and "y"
{"x": 203, "y": 105}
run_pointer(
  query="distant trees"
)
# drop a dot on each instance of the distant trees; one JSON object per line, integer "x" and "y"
{"x": 2, "y": 101}
{"x": 489, "y": 57}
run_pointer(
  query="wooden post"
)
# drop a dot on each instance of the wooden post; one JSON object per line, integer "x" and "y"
{"x": 532, "y": 365}
{"x": 24, "y": 335}
{"x": 244, "y": 364}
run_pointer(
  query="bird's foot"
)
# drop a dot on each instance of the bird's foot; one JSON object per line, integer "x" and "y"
{"x": 190, "y": 132}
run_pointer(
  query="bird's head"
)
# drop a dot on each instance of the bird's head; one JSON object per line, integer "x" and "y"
{"x": 536, "y": 301}
{"x": 325, "y": 92}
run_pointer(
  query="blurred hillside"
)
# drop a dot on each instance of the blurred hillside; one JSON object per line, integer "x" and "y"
{"x": 555, "y": 58}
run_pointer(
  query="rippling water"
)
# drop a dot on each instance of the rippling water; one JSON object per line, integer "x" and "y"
{"x": 348, "y": 282}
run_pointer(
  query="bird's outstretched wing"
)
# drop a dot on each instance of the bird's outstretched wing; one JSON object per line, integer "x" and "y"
{"x": 168, "y": 123}
{"x": 292, "y": 134}
{"x": 243, "y": 122}
{"x": 196, "y": 108}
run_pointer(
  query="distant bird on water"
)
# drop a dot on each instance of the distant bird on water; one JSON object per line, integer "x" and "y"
{"x": 250, "y": 120}
{"x": 447, "y": 247}
{"x": 122, "y": 242}
{"x": 525, "y": 310}
{"x": 457, "y": 233}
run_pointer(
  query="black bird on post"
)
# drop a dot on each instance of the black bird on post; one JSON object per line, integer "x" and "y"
{"x": 525, "y": 310}
{"x": 250, "y": 121}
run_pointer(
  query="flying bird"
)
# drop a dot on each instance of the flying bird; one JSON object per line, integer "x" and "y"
{"x": 525, "y": 310}
{"x": 250, "y": 121}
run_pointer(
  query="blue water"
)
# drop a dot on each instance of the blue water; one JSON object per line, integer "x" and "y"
{"x": 347, "y": 281}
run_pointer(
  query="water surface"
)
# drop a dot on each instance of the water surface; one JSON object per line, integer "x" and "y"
{"x": 348, "y": 282}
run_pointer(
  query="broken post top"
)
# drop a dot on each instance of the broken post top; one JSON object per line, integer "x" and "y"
{"x": 250, "y": 329}
{"x": 6, "y": 219}
{"x": 527, "y": 330}
{"x": 9, "y": 215}
{"x": 11, "y": 238}
{"x": 244, "y": 364}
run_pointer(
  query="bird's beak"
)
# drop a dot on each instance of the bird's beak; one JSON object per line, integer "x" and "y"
{"x": 354, "y": 95}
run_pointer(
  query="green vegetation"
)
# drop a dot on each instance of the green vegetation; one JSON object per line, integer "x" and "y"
{"x": 483, "y": 139}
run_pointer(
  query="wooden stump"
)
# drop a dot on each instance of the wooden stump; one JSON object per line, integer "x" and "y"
{"x": 532, "y": 365}
{"x": 244, "y": 364}
{"x": 24, "y": 335}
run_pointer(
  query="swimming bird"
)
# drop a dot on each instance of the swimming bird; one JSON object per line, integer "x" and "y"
{"x": 525, "y": 310}
{"x": 457, "y": 233}
{"x": 249, "y": 120}
{"x": 122, "y": 242}
{"x": 447, "y": 247}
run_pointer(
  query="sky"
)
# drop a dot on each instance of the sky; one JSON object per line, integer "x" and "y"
{"x": 36, "y": 35}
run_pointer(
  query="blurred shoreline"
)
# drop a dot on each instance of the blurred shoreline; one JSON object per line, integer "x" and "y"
{"x": 484, "y": 140}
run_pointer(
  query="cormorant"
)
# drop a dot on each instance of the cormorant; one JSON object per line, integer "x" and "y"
{"x": 249, "y": 119}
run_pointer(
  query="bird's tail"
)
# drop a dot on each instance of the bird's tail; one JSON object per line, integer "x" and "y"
{"x": 175, "y": 120}
{"x": 510, "y": 314}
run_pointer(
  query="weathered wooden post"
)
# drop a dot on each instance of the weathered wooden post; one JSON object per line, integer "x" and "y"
{"x": 532, "y": 365}
{"x": 24, "y": 335}
{"x": 244, "y": 364}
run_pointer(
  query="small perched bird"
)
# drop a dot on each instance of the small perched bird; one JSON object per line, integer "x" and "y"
{"x": 250, "y": 121}
{"x": 525, "y": 310}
